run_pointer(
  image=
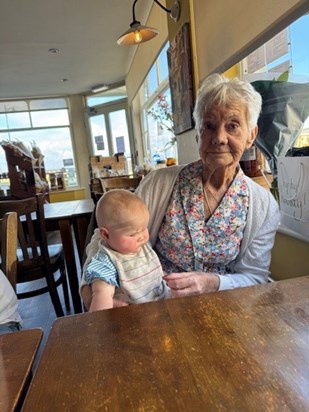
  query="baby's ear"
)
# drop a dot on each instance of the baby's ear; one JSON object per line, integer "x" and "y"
{"x": 104, "y": 233}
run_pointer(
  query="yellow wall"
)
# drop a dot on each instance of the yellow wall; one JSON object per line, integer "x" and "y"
{"x": 289, "y": 257}
{"x": 65, "y": 195}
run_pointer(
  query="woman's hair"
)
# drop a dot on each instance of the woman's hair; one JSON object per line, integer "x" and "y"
{"x": 116, "y": 206}
{"x": 218, "y": 90}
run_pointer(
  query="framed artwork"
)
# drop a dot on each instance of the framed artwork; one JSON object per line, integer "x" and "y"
{"x": 181, "y": 80}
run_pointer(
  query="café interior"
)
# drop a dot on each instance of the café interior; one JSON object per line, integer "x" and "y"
{"x": 152, "y": 357}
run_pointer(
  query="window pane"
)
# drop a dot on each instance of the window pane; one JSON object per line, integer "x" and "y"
{"x": 163, "y": 65}
{"x": 50, "y": 118}
{"x": 152, "y": 80}
{"x": 3, "y": 122}
{"x": 19, "y": 106}
{"x": 17, "y": 120}
{"x": 44, "y": 127}
{"x": 107, "y": 96}
{"x": 48, "y": 104}
{"x": 120, "y": 136}
{"x": 160, "y": 127}
{"x": 299, "y": 31}
{"x": 284, "y": 52}
{"x": 55, "y": 144}
{"x": 99, "y": 135}
{"x": 119, "y": 129}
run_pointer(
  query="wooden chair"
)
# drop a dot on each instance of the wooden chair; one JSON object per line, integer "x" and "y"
{"x": 37, "y": 259}
{"x": 120, "y": 182}
{"x": 8, "y": 228}
{"x": 22, "y": 168}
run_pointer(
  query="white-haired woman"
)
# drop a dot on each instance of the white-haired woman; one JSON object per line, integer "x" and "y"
{"x": 212, "y": 227}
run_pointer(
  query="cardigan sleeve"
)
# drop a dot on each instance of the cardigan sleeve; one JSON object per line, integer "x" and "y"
{"x": 252, "y": 265}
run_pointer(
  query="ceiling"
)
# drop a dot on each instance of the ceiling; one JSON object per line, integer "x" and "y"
{"x": 84, "y": 32}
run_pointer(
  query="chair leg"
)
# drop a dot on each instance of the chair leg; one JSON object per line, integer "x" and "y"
{"x": 54, "y": 294}
{"x": 65, "y": 288}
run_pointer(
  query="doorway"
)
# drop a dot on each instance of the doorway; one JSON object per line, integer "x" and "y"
{"x": 109, "y": 131}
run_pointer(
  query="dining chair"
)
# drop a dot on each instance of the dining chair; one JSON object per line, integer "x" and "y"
{"x": 8, "y": 229}
{"x": 35, "y": 258}
{"x": 120, "y": 182}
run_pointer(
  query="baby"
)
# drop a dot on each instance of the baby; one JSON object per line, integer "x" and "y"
{"x": 125, "y": 263}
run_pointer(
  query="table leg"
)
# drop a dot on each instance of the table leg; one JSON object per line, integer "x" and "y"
{"x": 69, "y": 255}
{"x": 80, "y": 231}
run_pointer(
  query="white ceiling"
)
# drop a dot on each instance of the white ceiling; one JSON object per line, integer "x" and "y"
{"x": 84, "y": 31}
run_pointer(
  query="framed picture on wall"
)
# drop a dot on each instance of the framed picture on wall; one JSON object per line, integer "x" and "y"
{"x": 181, "y": 80}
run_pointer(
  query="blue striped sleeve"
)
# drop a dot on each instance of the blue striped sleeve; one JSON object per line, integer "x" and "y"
{"x": 101, "y": 267}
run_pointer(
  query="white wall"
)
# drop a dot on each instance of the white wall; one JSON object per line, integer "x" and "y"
{"x": 80, "y": 141}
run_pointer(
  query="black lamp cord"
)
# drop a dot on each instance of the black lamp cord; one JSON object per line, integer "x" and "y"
{"x": 133, "y": 11}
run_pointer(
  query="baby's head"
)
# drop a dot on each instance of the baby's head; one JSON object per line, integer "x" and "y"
{"x": 123, "y": 218}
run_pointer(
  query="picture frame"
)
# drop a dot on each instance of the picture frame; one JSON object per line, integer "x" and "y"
{"x": 181, "y": 80}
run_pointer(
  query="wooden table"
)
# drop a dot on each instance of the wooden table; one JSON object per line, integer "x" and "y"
{"x": 238, "y": 350}
{"x": 17, "y": 353}
{"x": 64, "y": 216}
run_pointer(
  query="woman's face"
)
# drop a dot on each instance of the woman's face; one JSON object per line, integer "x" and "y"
{"x": 224, "y": 136}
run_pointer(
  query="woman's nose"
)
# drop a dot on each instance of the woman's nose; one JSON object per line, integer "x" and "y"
{"x": 220, "y": 136}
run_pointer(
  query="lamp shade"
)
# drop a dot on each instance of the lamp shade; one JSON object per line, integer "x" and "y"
{"x": 137, "y": 34}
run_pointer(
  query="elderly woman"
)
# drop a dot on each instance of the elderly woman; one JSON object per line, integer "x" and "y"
{"x": 212, "y": 227}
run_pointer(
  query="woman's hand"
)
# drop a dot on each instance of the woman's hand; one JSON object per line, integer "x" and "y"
{"x": 192, "y": 283}
{"x": 86, "y": 294}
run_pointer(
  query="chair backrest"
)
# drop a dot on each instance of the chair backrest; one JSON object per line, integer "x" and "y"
{"x": 9, "y": 246}
{"x": 32, "y": 240}
{"x": 120, "y": 182}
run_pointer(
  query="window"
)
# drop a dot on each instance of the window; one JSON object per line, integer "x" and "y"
{"x": 285, "y": 57}
{"x": 108, "y": 125}
{"x": 45, "y": 122}
{"x": 108, "y": 96}
{"x": 159, "y": 142}
{"x": 285, "y": 52}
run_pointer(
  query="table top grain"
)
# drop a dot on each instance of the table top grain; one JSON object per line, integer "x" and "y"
{"x": 17, "y": 353}
{"x": 238, "y": 350}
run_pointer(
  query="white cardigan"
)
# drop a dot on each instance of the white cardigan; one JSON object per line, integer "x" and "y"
{"x": 252, "y": 263}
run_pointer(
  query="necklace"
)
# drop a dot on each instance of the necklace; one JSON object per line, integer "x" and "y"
{"x": 213, "y": 196}
{"x": 207, "y": 199}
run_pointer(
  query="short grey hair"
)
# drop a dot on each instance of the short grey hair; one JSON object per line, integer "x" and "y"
{"x": 218, "y": 90}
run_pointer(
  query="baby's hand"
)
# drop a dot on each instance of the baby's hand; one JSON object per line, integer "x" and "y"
{"x": 119, "y": 303}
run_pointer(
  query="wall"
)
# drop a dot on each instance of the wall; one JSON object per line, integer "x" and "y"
{"x": 222, "y": 33}
{"x": 147, "y": 53}
{"x": 186, "y": 142}
{"x": 144, "y": 57}
{"x": 289, "y": 257}
{"x": 80, "y": 141}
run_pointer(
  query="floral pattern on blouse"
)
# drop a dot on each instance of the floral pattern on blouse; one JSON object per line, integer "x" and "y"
{"x": 186, "y": 241}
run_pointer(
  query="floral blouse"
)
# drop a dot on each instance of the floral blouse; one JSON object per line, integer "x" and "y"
{"x": 186, "y": 241}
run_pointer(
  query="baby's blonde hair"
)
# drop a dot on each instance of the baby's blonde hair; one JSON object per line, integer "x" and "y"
{"x": 116, "y": 206}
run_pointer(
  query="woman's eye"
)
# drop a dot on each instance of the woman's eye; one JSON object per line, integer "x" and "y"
{"x": 208, "y": 126}
{"x": 232, "y": 126}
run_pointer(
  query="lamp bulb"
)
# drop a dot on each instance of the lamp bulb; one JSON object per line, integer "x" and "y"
{"x": 137, "y": 36}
